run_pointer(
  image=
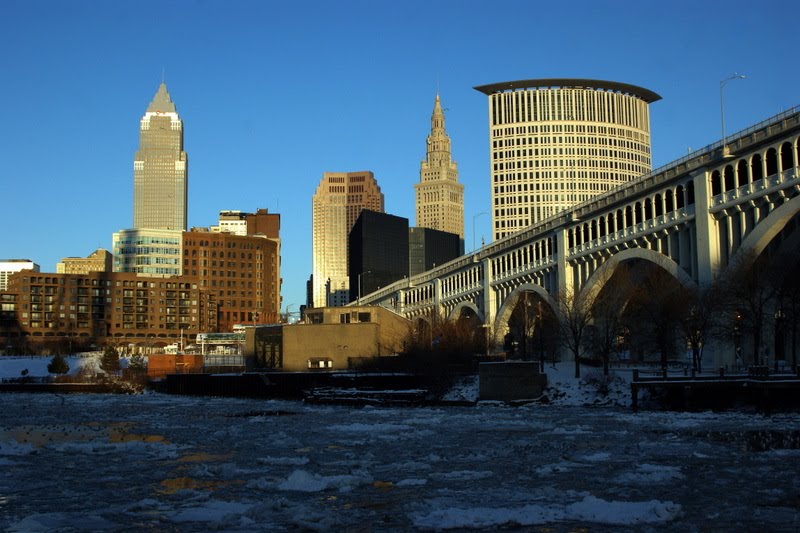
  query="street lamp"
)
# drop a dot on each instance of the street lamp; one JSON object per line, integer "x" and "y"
{"x": 722, "y": 85}
{"x": 359, "y": 285}
{"x": 473, "y": 226}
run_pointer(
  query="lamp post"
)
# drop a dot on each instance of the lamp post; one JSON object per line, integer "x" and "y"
{"x": 474, "y": 217}
{"x": 722, "y": 85}
{"x": 359, "y": 285}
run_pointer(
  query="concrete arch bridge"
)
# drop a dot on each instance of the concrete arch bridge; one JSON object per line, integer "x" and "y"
{"x": 689, "y": 219}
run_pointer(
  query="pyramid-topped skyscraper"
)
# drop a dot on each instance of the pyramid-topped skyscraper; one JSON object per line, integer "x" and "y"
{"x": 160, "y": 168}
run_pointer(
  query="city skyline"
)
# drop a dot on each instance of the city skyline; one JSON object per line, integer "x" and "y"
{"x": 277, "y": 104}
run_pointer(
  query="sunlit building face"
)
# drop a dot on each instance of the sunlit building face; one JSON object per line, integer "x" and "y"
{"x": 555, "y": 143}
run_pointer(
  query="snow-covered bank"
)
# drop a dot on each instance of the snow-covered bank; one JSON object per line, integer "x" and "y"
{"x": 563, "y": 388}
{"x": 12, "y": 366}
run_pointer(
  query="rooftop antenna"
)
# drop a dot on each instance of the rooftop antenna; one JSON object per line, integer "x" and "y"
{"x": 162, "y": 74}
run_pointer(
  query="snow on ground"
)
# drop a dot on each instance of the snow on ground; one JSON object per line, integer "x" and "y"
{"x": 563, "y": 388}
{"x": 12, "y": 366}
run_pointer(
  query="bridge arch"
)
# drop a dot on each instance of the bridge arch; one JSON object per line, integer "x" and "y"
{"x": 507, "y": 308}
{"x": 766, "y": 230}
{"x": 594, "y": 285}
{"x": 455, "y": 313}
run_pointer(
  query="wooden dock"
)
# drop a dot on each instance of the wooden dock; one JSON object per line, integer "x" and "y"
{"x": 758, "y": 386}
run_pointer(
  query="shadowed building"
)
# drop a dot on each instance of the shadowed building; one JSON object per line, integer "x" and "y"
{"x": 429, "y": 247}
{"x": 378, "y": 245}
{"x": 555, "y": 143}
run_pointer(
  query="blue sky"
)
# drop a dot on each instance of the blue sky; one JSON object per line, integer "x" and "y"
{"x": 273, "y": 94}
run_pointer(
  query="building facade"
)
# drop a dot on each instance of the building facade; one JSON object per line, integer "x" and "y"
{"x": 100, "y": 260}
{"x": 242, "y": 272}
{"x": 378, "y": 252}
{"x": 326, "y": 339}
{"x": 337, "y": 203}
{"x": 429, "y": 247}
{"x": 557, "y": 142}
{"x": 105, "y": 307}
{"x": 148, "y": 252}
{"x": 160, "y": 168}
{"x": 262, "y": 222}
{"x": 10, "y": 266}
{"x": 439, "y": 195}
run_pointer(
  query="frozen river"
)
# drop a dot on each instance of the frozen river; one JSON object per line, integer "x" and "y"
{"x": 164, "y": 463}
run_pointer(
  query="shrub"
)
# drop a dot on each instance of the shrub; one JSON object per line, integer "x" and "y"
{"x": 58, "y": 365}
{"x": 109, "y": 362}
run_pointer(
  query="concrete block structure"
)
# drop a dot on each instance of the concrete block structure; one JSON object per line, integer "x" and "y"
{"x": 330, "y": 338}
{"x": 511, "y": 380}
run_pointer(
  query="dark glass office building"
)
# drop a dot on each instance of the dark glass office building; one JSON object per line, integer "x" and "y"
{"x": 430, "y": 247}
{"x": 378, "y": 254}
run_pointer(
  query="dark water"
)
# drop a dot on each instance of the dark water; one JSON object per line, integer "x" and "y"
{"x": 153, "y": 462}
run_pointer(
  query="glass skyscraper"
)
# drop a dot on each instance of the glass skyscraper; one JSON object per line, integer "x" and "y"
{"x": 160, "y": 168}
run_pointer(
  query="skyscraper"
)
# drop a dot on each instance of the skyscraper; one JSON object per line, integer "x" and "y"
{"x": 160, "y": 168}
{"x": 338, "y": 201}
{"x": 439, "y": 196}
{"x": 558, "y": 142}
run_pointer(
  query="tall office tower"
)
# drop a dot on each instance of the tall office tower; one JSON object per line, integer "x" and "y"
{"x": 338, "y": 201}
{"x": 558, "y": 142}
{"x": 439, "y": 195}
{"x": 160, "y": 168}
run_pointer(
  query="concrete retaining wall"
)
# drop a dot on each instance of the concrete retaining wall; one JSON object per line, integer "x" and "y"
{"x": 511, "y": 380}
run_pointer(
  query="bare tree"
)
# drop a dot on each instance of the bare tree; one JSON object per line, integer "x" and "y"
{"x": 573, "y": 323}
{"x": 751, "y": 293}
{"x": 657, "y": 306}
{"x": 702, "y": 321}
{"x": 607, "y": 314}
{"x": 787, "y": 313}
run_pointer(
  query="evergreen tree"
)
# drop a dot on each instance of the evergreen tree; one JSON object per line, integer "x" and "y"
{"x": 58, "y": 365}
{"x": 137, "y": 364}
{"x": 109, "y": 362}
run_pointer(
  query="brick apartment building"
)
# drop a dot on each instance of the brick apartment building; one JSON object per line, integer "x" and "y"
{"x": 103, "y": 307}
{"x": 227, "y": 279}
{"x": 242, "y": 272}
